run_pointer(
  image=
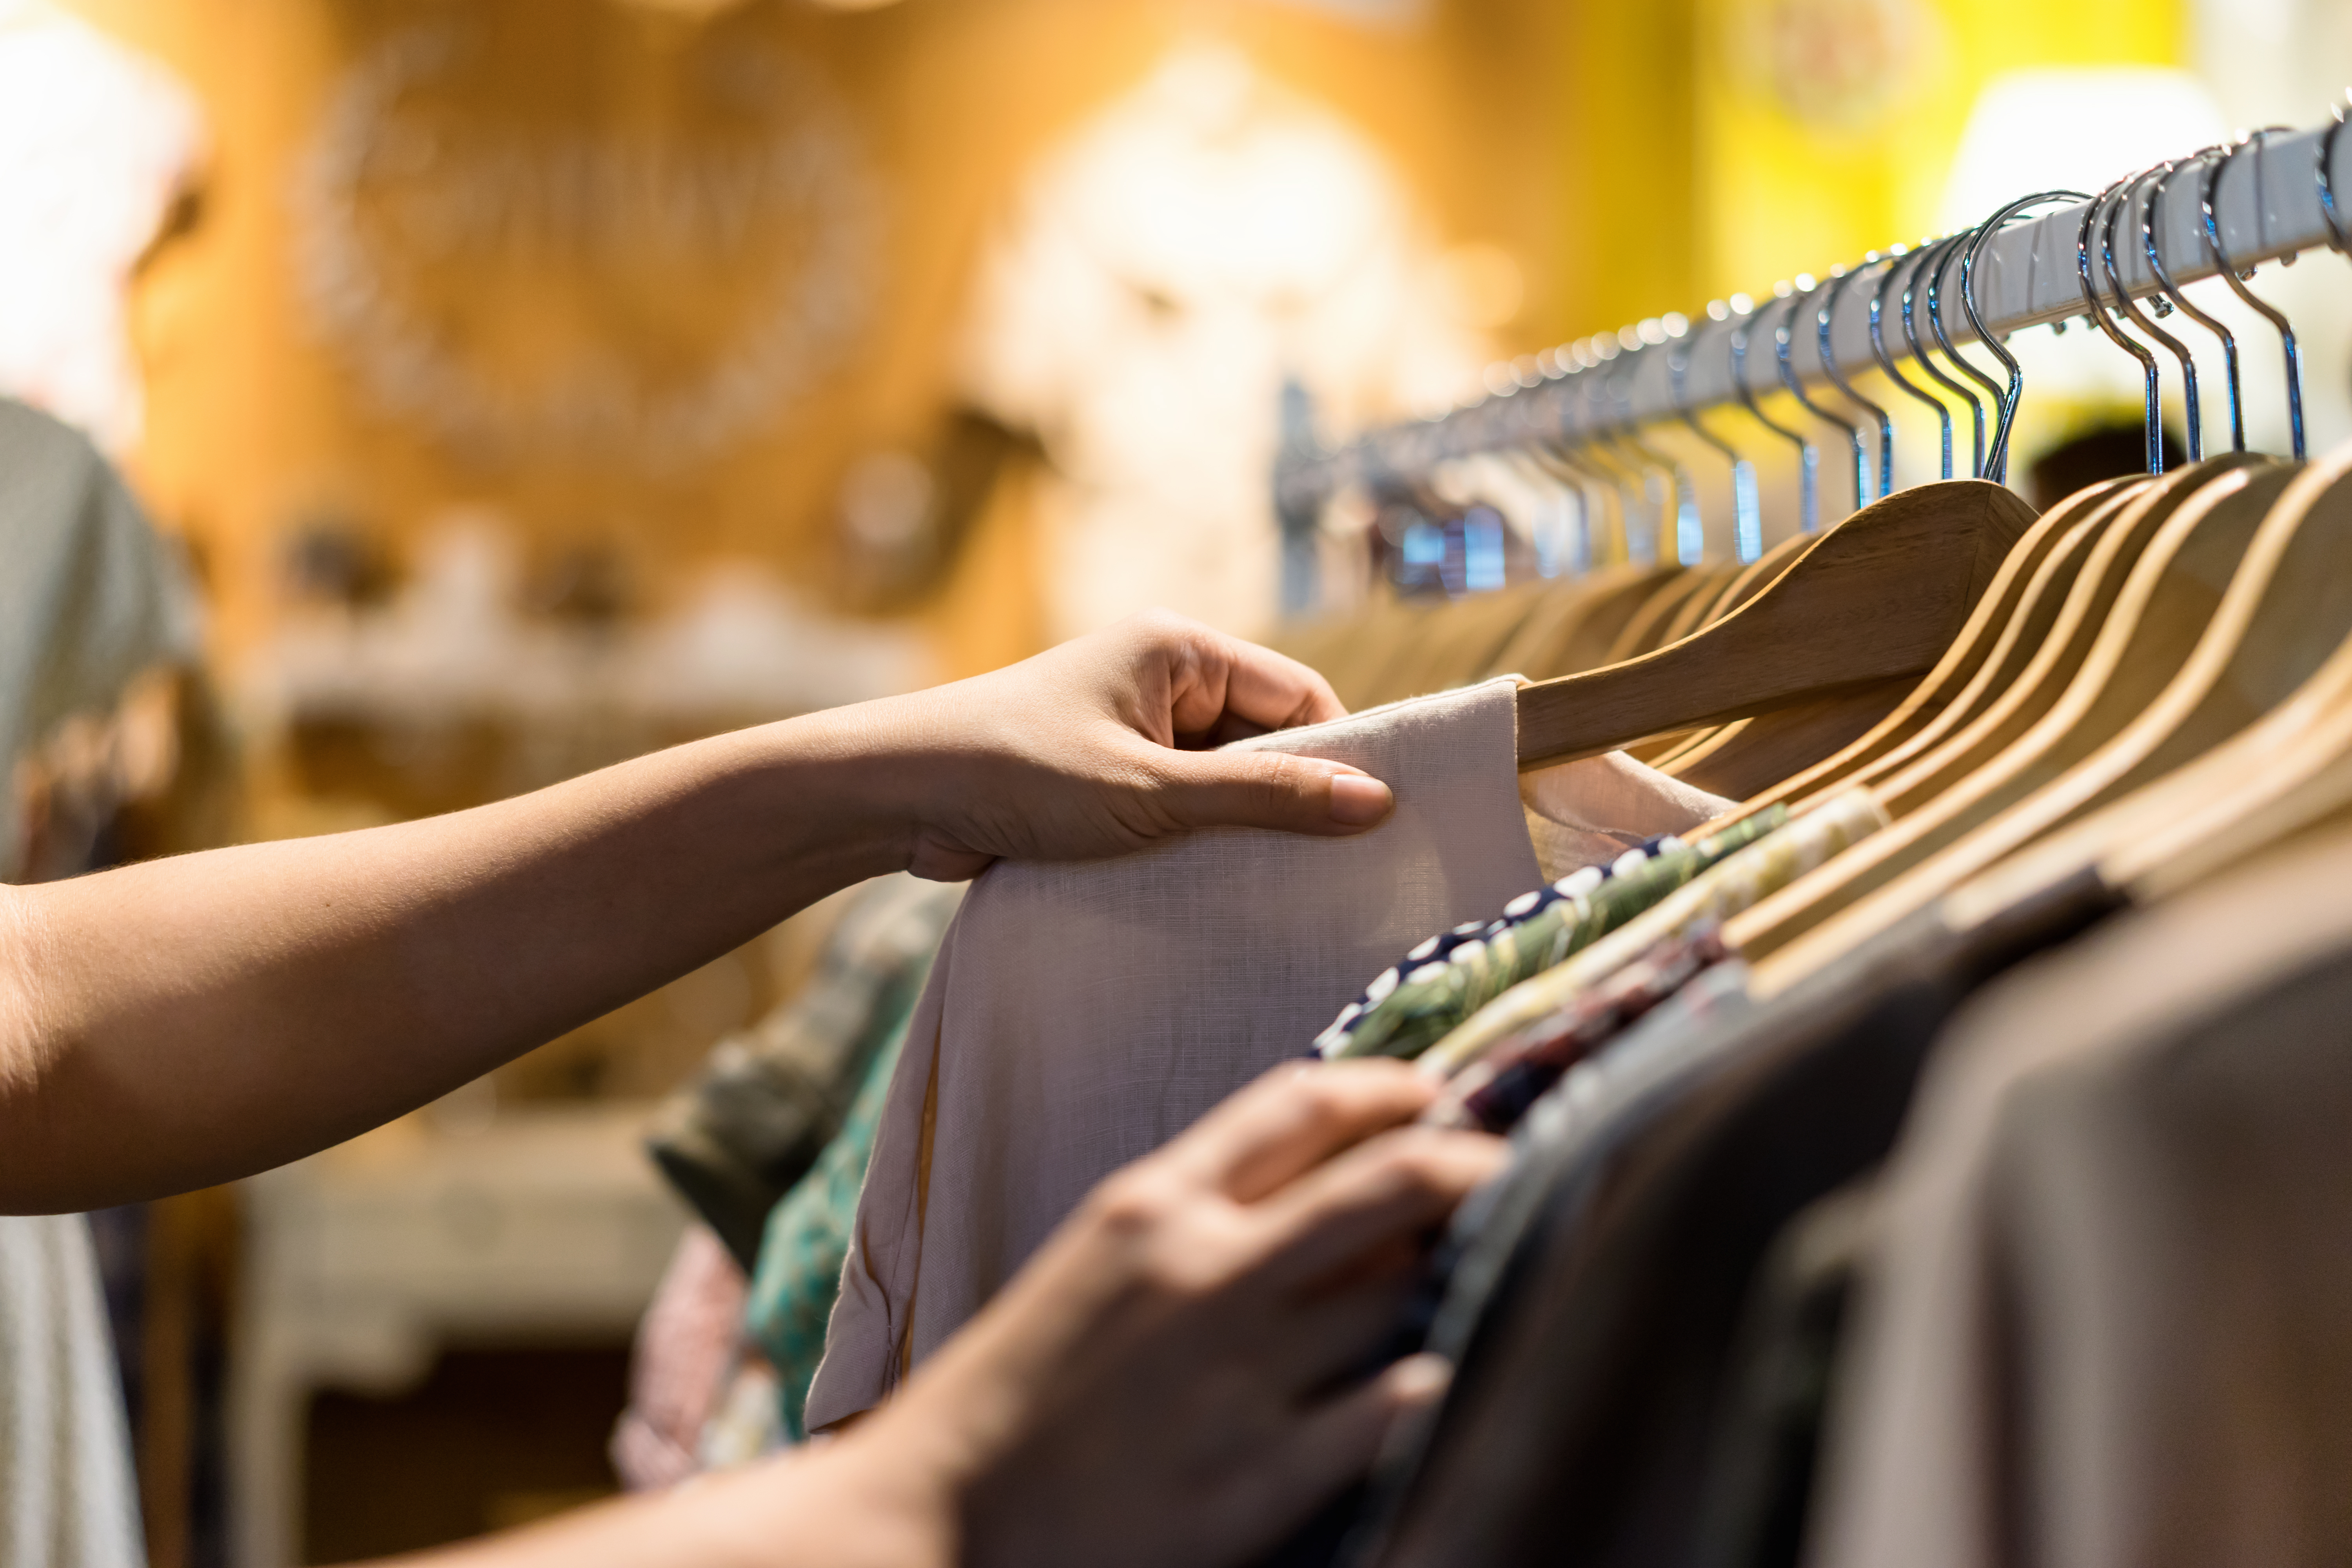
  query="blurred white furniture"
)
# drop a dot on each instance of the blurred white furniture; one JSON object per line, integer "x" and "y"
{"x": 543, "y": 1224}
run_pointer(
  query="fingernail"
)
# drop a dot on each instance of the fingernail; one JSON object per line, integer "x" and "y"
{"x": 1357, "y": 801}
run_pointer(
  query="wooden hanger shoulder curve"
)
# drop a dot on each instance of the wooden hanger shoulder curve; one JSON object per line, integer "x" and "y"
{"x": 1810, "y": 752}
{"x": 1761, "y": 573}
{"x": 1880, "y": 595}
{"x": 1746, "y": 583}
{"x": 2160, "y": 614}
{"x": 1972, "y": 671}
{"x": 2284, "y": 775}
{"x": 1467, "y": 634}
{"x": 1581, "y": 640}
{"x": 1716, "y": 580}
{"x": 1562, "y": 602}
{"x": 1647, "y": 625}
{"x": 1931, "y": 799}
{"x": 2080, "y": 617}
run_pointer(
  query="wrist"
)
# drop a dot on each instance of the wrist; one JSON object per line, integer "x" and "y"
{"x": 864, "y": 776}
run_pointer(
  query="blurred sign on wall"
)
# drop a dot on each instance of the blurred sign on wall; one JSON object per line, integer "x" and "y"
{"x": 571, "y": 275}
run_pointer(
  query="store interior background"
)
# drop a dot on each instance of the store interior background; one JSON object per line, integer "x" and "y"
{"x": 535, "y": 382}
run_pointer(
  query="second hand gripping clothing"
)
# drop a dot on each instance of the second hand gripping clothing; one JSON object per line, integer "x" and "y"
{"x": 1080, "y": 1016}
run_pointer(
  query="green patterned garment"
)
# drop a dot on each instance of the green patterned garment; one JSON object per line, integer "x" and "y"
{"x": 807, "y": 1238}
{"x": 1451, "y": 976}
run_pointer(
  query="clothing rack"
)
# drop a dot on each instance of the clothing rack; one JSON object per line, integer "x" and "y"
{"x": 2268, "y": 204}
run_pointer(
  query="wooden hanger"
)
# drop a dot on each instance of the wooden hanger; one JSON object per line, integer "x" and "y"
{"x": 1646, "y": 630}
{"x": 1747, "y": 582}
{"x": 1579, "y": 637}
{"x": 2082, "y": 617}
{"x": 2275, "y": 658}
{"x": 1973, "y": 776}
{"x": 1983, "y": 660}
{"x": 2156, "y": 697}
{"x": 1741, "y": 758}
{"x": 1463, "y": 636}
{"x": 1880, "y": 595}
{"x": 1762, "y": 572}
{"x": 2151, "y": 832}
{"x": 1564, "y": 600}
{"x": 1699, "y": 609}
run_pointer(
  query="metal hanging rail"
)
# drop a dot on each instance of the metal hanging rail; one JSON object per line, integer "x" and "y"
{"x": 2269, "y": 203}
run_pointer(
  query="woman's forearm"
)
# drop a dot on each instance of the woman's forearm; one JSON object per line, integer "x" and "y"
{"x": 189, "y": 1020}
{"x": 184, "y": 1022}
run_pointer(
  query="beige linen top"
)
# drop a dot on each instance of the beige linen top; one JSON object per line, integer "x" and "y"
{"x": 1081, "y": 1014}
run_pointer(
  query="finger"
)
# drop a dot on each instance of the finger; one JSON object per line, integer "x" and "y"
{"x": 1397, "y": 1185}
{"x": 1259, "y": 685}
{"x": 1265, "y": 789}
{"x": 1292, "y": 1118}
{"x": 1210, "y": 675}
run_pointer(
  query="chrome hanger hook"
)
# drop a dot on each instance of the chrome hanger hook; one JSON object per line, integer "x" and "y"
{"x": 2153, "y": 416}
{"x": 1931, "y": 259}
{"x": 2187, "y": 306}
{"x": 2212, "y": 187}
{"x": 1680, "y": 497}
{"x": 1809, "y": 507}
{"x": 1572, "y": 447}
{"x": 1839, "y": 279}
{"x": 1958, "y": 243}
{"x": 1746, "y": 519}
{"x": 1886, "y": 360}
{"x": 1996, "y": 460}
{"x": 1781, "y": 343}
{"x": 2129, "y": 306}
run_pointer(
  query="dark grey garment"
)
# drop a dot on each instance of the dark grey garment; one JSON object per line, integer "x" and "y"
{"x": 1768, "y": 1437}
{"x": 2109, "y": 1321}
{"x": 90, "y": 596}
{"x": 768, "y": 1101}
{"x": 1592, "y": 1328}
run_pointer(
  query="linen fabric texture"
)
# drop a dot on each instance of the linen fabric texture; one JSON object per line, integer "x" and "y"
{"x": 1081, "y": 1014}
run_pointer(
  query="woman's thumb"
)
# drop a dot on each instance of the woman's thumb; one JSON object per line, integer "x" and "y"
{"x": 1268, "y": 789}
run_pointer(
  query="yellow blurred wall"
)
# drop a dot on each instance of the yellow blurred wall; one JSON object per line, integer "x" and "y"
{"x": 1811, "y": 157}
{"x": 252, "y": 423}
{"x": 1633, "y": 159}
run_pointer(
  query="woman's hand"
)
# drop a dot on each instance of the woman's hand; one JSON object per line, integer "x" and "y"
{"x": 1171, "y": 1381}
{"x": 1100, "y": 746}
{"x": 1174, "y": 1377}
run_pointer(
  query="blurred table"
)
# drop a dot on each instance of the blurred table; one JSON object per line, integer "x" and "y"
{"x": 542, "y": 1225}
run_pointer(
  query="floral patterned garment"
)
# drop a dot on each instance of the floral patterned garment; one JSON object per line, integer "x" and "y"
{"x": 1451, "y": 975}
{"x": 1492, "y": 1093}
{"x": 1737, "y": 884}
